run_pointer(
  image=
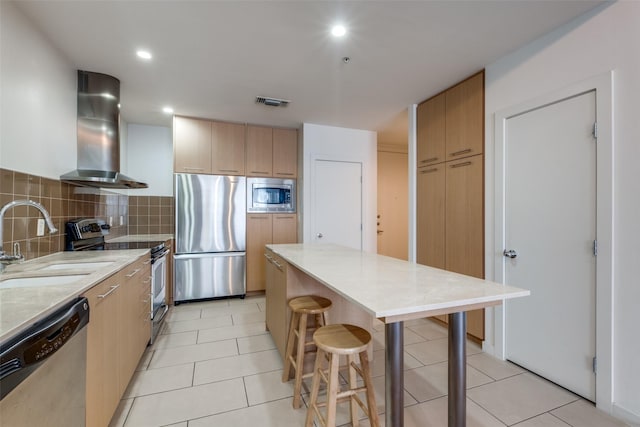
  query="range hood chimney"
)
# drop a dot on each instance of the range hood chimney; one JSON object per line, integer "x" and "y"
{"x": 99, "y": 134}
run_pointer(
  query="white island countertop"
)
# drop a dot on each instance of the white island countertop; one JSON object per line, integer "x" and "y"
{"x": 392, "y": 289}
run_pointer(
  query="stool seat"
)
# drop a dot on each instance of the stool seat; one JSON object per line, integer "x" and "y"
{"x": 333, "y": 341}
{"x": 310, "y": 304}
{"x": 297, "y": 342}
{"x": 342, "y": 339}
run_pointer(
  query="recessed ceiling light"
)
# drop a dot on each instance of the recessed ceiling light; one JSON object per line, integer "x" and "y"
{"x": 144, "y": 54}
{"x": 338, "y": 30}
{"x": 167, "y": 110}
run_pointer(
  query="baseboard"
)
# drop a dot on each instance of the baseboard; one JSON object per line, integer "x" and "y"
{"x": 625, "y": 415}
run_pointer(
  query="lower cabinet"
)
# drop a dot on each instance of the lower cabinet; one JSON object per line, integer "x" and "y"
{"x": 264, "y": 229}
{"x": 117, "y": 335}
{"x": 276, "y": 295}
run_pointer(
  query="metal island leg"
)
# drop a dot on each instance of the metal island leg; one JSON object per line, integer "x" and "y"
{"x": 394, "y": 374}
{"x": 457, "y": 369}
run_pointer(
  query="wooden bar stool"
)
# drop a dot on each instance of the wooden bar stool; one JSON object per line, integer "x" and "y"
{"x": 334, "y": 341}
{"x": 301, "y": 307}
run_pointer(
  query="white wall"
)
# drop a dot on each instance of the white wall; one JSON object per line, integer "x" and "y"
{"x": 336, "y": 143}
{"x": 150, "y": 158}
{"x": 603, "y": 40}
{"x": 38, "y": 100}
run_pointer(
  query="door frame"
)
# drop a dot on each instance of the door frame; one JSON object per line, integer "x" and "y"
{"x": 603, "y": 86}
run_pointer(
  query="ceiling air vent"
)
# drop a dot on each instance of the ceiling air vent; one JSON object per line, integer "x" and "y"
{"x": 272, "y": 102}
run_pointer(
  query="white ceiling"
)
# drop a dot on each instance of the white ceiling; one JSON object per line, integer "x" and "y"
{"x": 212, "y": 58}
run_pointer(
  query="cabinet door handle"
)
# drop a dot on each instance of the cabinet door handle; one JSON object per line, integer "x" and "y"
{"x": 262, "y": 172}
{"x": 429, "y": 170}
{"x": 268, "y": 258}
{"x": 112, "y": 290}
{"x": 259, "y": 217}
{"x": 433, "y": 159}
{"x": 285, "y": 173}
{"x": 457, "y": 153}
{"x": 459, "y": 165}
{"x": 133, "y": 273}
{"x": 193, "y": 169}
{"x": 229, "y": 170}
{"x": 148, "y": 280}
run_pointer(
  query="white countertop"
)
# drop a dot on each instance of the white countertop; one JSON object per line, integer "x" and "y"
{"x": 388, "y": 287}
{"x": 23, "y": 306}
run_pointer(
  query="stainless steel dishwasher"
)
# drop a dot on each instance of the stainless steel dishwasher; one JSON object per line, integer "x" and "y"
{"x": 43, "y": 371}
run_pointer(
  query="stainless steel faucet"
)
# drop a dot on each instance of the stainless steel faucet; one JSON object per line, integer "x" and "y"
{"x": 17, "y": 256}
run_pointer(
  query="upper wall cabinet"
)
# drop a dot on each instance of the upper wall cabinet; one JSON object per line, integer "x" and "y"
{"x": 259, "y": 151}
{"x": 464, "y": 118}
{"x": 285, "y": 153}
{"x": 272, "y": 152}
{"x": 191, "y": 145}
{"x": 450, "y": 125}
{"x": 222, "y": 148}
{"x": 227, "y": 148}
{"x": 431, "y": 131}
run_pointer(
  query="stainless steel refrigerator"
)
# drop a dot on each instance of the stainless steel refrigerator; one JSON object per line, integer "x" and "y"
{"x": 210, "y": 236}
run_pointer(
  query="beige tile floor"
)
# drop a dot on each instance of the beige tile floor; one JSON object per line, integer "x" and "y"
{"x": 215, "y": 365}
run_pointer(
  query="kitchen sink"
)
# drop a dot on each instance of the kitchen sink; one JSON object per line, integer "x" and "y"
{"x": 33, "y": 282}
{"x": 78, "y": 265}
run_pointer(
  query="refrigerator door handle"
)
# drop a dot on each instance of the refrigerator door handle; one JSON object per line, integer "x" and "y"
{"x": 208, "y": 255}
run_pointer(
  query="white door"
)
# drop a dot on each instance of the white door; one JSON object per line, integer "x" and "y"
{"x": 337, "y": 203}
{"x": 550, "y": 224}
{"x": 393, "y": 205}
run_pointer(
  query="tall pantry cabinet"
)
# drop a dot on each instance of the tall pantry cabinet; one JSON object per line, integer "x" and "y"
{"x": 450, "y": 184}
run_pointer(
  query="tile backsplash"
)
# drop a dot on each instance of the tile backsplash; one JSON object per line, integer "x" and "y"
{"x": 138, "y": 214}
{"x": 150, "y": 215}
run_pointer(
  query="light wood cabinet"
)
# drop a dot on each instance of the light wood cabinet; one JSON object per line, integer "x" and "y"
{"x": 191, "y": 145}
{"x": 102, "y": 388}
{"x": 259, "y": 151}
{"x": 285, "y": 228}
{"x": 221, "y": 148}
{"x": 430, "y": 245}
{"x": 117, "y": 335}
{"x": 450, "y": 190}
{"x": 227, "y": 148}
{"x": 134, "y": 320}
{"x": 259, "y": 233}
{"x": 264, "y": 229}
{"x": 464, "y": 211}
{"x": 285, "y": 153}
{"x": 276, "y": 296}
{"x": 465, "y": 118}
{"x": 272, "y": 152}
{"x": 430, "y": 128}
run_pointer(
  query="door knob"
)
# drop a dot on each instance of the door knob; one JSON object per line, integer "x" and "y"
{"x": 319, "y": 235}
{"x": 510, "y": 253}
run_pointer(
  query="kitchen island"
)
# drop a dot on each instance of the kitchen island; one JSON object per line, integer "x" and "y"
{"x": 392, "y": 291}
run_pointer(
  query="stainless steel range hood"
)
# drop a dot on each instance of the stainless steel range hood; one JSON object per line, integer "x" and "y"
{"x": 99, "y": 134}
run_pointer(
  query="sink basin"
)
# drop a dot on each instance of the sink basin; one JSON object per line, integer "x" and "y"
{"x": 80, "y": 265}
{"x": 33, "y": 282}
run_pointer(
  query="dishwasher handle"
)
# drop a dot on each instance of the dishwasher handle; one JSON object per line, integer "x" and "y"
{"x": 23, "y": 353}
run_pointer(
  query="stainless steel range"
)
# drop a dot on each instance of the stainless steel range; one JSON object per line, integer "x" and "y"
{"x": 89, "y": 234}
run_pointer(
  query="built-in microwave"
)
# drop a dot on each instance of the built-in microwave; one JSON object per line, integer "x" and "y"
{"x": 271, "y": 195}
